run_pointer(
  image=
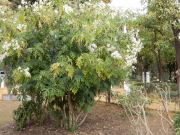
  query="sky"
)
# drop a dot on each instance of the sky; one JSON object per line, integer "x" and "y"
{"x": 127, "y": 4}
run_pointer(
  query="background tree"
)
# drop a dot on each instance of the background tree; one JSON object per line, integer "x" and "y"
{"x": 166, "y": 12}
{"x": 154, "y": 42}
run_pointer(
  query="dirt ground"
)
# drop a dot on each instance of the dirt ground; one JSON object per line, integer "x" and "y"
{"x": 104, "y": 120}
{"x": 3, "y": 91}
{"x": 6, "y": 111}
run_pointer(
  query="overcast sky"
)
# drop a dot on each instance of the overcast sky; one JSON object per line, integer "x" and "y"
{"x": 127, "y": 4}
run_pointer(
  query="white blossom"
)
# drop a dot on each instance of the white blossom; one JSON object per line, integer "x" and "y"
{"x": 116, "y": 55}
{"x": 2, "y": 12}
{"x": 19, "y": 6}
{"x": 23, "y": 2}
{"x": 56, "y": 11}
{"x": 67, "y": 9}
{"x": 2, "y": 56}
{"x": 88, "y": 3}
{"x": 69, "y": 22}
{"x": 41, "y": 2}
{"x": 19, "y": 68}
{"x": 27, "y": 74}
{"x": 92, "y": 47}
{"x": 15, "y": 20}
{"x": 21, "y": 26}
{"x": 6, "y": 46}
{"x": 15, "y": 44}
{"x": 49, "y": 3}
{"x": 40, "y": 6}
{"x": 4, "y": 19}
{"x": 110, "y": 48}
{"x": 24, "y": 71}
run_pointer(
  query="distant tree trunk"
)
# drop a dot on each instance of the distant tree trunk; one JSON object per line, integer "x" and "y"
{"x": 177, "y": 48}
{"x": 109, "y": 96}
{"x": 158, "y": 63}
{"x": 139, "y": 65}
{"x": 8, "y": 88}
{"x": 158, "y": 58}
{"x": 176, "y": 32}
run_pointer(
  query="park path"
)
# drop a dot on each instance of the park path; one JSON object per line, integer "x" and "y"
{"x": 155, "y": 105}
{"x": 3, "y": 91}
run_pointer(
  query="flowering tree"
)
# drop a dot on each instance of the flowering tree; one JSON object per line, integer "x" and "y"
{"x": 64, "y": 57}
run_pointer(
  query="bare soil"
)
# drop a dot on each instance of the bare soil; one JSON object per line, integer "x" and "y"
{"x": 6, "y": 111}
{"x": 104, "y": 120}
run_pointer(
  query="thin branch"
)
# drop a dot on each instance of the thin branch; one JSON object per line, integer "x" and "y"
{"x": 143, "y": 123}
{"x": 83, "y": 120}
{"x": 165, "y": 119}
{"x": 79, "y": 114}
{"x": 166, "y": 109}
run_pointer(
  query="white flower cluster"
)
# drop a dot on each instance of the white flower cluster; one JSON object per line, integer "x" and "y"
{"x": 116, "y": 55}
{"x": 113, "y": 10}
{"x": 24, "y": 71}
{"x": 36, "y": 7}
{"x": 14, "y": 44}
{"x": 130, "y": 59}
{"x": 100, "y": 8}
{"x": 24, "y": 3}
{"x": 6, "y": 46}
{"x": 1, "y": 11}
{"x": 67, "y": 9}
{"x": 110, "y": 48}
{"x": 92, "y": 47}
{"x": 96, "y": 24}
{"x": 21, "y": 27}
{"x": 4, "y": 20}
{"x": 2, "y": 56}
{"x": 133, "y": 50}
{"x": 69, "y": 22}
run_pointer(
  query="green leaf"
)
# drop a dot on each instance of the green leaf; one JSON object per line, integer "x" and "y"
{"x": 89, "y": 109}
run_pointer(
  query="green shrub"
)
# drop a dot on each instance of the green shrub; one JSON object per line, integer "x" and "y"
{"x": 177, "y": 123}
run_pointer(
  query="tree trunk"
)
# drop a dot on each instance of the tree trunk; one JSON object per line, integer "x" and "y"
{"x": 158, "y": 63}
{"x": 158, "y": 57}
{"x": 176, "y": 32}
{"x": 8, "y": 88}
{"x": 177, "y": 48}
{"x": 109, "y": 96}
{"x": 140, "y": 66}
{"x": 178, "y": 84}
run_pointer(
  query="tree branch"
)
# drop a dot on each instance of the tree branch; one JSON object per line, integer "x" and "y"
{"x": 83, "y": 120}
